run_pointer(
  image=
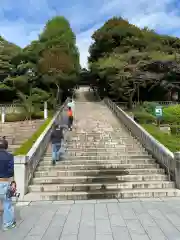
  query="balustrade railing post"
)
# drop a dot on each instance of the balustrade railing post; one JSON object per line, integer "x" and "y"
{"x": 177, "y": 169}
{"x": 20, "y": 174}
{"x": 3, "y": 114}
{"x": 45, "y": 110}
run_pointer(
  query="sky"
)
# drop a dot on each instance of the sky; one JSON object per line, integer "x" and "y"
{"x": 21, "y": 21}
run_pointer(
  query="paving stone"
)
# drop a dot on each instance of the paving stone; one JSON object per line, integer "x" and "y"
{"x": 113, "y": 208}
{"x": 64, "y": 202}
{"x": 173, "y": 218}
{"x": 85, "y": 201}
{"x": 86, "y": 231}
{"x": 69, "y": 237}
{"x": 146, "y": 220}
{"x": 104, "y": 237}
{"x": 155, "y": 233}
{"x": 21, "y": 204}
{"x": 103, "y": 227}
{"x": 135, "y": 236}
{"x": 42, "y": 224}
{"x": 127, "y": 214}
{"x": 117, "y": 220}
{"x": 135, "y": 227}
{"x": 101, "y": 211}
{"x": 40, "y": 203}
{"x": 107, "y": 201}
{"x": 120, "y": 232}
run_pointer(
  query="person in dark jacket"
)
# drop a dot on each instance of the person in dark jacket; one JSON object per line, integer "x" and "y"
{"x": 5, "y": 142}
{"x": 6, "y": 173}
{"x": 57, "y": 137}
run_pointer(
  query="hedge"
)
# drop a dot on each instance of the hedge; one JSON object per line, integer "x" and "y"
{"x": 150, "y": 107}
{"x": 175, "y": 129}
{"x": 26, "y": 146}
{"x": 144, "y": 117}
{"x": 16, "y": 117}
{"x": 168, "y": 140}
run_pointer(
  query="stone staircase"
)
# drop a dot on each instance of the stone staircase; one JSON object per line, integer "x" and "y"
{"x": 102, "y": 161}
{"x": 18, "y": 132}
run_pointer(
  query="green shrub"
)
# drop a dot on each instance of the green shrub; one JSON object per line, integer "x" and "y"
{"x": 175, "y": 129}
{"x": 15, "y": 117}
{"x": 168, "y": 140}
{"x": 26, "y": 146}
{"x": 172, "y": 110}
{"x": 37, "y": 115}
{"x": 170, "y": 119}
{"x": 150, "y": 107}
{"x": 144, "y": 117}
{"x": 171, "y": 115}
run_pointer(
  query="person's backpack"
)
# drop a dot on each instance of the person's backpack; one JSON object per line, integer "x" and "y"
{"x": 70, "y": 113}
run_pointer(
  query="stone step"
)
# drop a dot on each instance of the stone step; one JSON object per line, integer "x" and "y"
{"x": 103, "y": 144}
{"x": 99, "y": 150}
{"x": 99, "y": 179}
{"x": 115, "y": 172}
{"x": 103, "y": 194}
{"x": 112, "y": 154}
{"x": 13, "y": 146}
{"x": 101, "y": 140}
{"x": 48, "y": 157}
{"x": 96, "y": 162}
{"x": 96, "y": 166}
{"x": 99, "y": 186}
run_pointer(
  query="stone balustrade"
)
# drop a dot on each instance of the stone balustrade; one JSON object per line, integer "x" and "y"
{"x": 25, "y": 165}
{"x": 164, "y": 157}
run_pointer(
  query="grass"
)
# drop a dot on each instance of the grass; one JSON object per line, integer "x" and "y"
{"x": 26, "y": 146}
{"x": 168, "y": 140}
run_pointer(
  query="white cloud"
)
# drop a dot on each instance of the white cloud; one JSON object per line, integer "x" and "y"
{"x": 159, "y": 15}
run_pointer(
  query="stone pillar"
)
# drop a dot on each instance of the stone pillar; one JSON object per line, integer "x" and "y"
{"x": 20, "y": 174}
{"x": 177, "y": 169}
{"x": 3, "y": 115}
{"x": 45, "y": 110}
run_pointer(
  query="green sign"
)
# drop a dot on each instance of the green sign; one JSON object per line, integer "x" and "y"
{"x": 158, "y": 111}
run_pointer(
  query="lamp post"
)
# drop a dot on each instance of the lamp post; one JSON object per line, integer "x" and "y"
{"x": 31, "y": 74}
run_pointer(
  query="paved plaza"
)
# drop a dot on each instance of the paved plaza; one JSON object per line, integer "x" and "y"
{"x": 135, "y": 219}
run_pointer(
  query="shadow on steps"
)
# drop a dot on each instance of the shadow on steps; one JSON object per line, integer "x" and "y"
{"x": 91, "y": 97}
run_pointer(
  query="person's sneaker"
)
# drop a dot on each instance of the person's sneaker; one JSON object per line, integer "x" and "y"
{"x": 10, "y": 227}
{"x": 53, "y": 163}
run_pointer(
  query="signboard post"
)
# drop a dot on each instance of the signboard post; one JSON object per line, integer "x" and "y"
{"x": 158, "y": 113}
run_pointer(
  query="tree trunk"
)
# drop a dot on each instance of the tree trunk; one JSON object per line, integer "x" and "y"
{"x": 57, "y": 94}
{"x": 130, "y": 101}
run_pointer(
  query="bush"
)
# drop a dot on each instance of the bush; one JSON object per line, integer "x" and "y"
{"x": 15, "y": 117}
{"x": 169, "y": 141}
{"x": 175, "y": 129}
{"x": 144, "y": 117}
{"x": 26, "y": 146}
{"x": 38, "y": 115}
{"x": 172, "y": 110}
{"x": 170, "y": 119}
{"x": 150, "y": 107}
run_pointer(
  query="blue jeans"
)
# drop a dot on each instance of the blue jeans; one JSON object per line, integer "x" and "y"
{"x": 57, "y": 150}
{"x": 8, "y": 209}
